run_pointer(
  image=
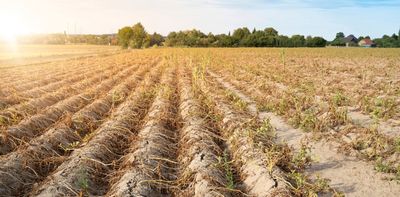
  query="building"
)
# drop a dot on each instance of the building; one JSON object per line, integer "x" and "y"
{"x": 350, "y": 40}
{"x": 366, "y": 42}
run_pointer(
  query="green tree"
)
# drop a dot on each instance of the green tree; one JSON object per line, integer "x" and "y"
{"x": 298, "y": 40}
{"x": 189, "y": 38}
{"x": 394, "y": 36}
{"x": 124, "y": 36}
{"x": 315, "y": 42}
{"x": 239, "y": 34}
{"x": 211, "y": 39}
{"x": 340, "y": 35}
{"x": 399, "y": 35}
{"x": 156, "y": 39}
{"x": 223, "y": 40}
{"x": 171, "y": 39}
{"x": 283, "y": 41}
{"x": 271, "y": 31}
{"x": 147, "y": 40}
{"x": 138, "y": 36}
{"x": 387, "y": 41}
{"x": 338, "y": 41}
{"x": 268, "y": 37}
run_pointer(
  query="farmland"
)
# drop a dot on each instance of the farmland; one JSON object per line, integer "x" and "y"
{"x": 202, "y": 122}
{"x": 19, "y": 54}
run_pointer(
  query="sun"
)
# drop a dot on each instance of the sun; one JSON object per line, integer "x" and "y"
{"x": 10, "y": 27}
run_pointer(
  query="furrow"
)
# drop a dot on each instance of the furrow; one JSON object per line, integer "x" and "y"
{"x": 147, "y": 170}
{"x": 20, "y": 96}
{"x": 85, "y": 171}
{"x": 20, "y": 86}
{"x": 389, "y": 128}
{"x": 81, "y": 68}
{"x": 36, "y": 76}
{"x": 89, "y": 117}
{"x": 340, "y": 169}
{"x": 243, "y": 141}
{"x": 40, "y": 72}
{"x": 26, "y": 166}
{"x": 202, "y": 169}
{"x": 15, "y": 114}
{"x": 35, "y": 125}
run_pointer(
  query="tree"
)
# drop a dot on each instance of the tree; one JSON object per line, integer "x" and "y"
{"x": 338, "y": 41}
{"x": 211, "y": 39}
{"x": 253, "y": 40}
{"x": 147, "y": 40}
{"x": 387, "y": 41}
{"x": 340, "y": 35}
{"x": 298, "y": 41}
{"x": 269, "y": 41}
{"x": 315, "y": 42}
{"x": 138, "y": 36}
{"x": 189, "y": 38}
{"x": 239, "y": 34}
{"x": 271, "y": 31}
{"x": 124, "y": 36}
{"x": 223, "y": 40}
{"x": 283, "y": 41}
{"x": 394, "y": 36}
{"x": 171, "y": 39}
{"x": 156, "y": 39}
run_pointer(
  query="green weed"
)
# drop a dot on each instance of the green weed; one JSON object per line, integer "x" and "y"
{"x": 70, "y": 147}
{"x": 83, "y": 180}
{"x": 225, "y": 163}
{"x": 236, "y": 100}
{"x": 397, "y": 144}
{"x": 382, "y": 167}
{"x": 303, "y": 158}
{"x": 339, "y": 99}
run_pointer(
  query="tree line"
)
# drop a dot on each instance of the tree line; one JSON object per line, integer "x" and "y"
{"x": 385, "y": 42}
{"x": 388, "y": 41}
{"x": 137, "y": 37}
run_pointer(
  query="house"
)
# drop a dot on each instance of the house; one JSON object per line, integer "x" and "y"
{"x": 366, "y": 43}
{"x": 350, "y": 40}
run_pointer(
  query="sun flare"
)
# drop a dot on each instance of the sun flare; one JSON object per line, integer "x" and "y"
{"x": 11, "y": 26}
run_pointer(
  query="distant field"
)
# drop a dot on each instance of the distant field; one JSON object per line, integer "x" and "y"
{"x": 25, "y": 54}
{"x": 202, "y": 122}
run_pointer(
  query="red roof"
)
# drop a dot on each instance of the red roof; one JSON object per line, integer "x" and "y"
{"x": 367, "y": 41}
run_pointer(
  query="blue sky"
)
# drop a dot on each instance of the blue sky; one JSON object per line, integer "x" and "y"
{"x": 307, "y": 17}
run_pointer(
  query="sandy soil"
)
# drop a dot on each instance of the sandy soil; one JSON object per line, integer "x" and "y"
{"x": 347, "y": 174}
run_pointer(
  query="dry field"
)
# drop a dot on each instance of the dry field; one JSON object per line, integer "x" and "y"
{"x": 203, "y": 122}
{"x": 30, "y": 54}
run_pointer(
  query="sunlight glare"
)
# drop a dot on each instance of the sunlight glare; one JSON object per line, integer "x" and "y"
{"x": 10, "y": 27}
